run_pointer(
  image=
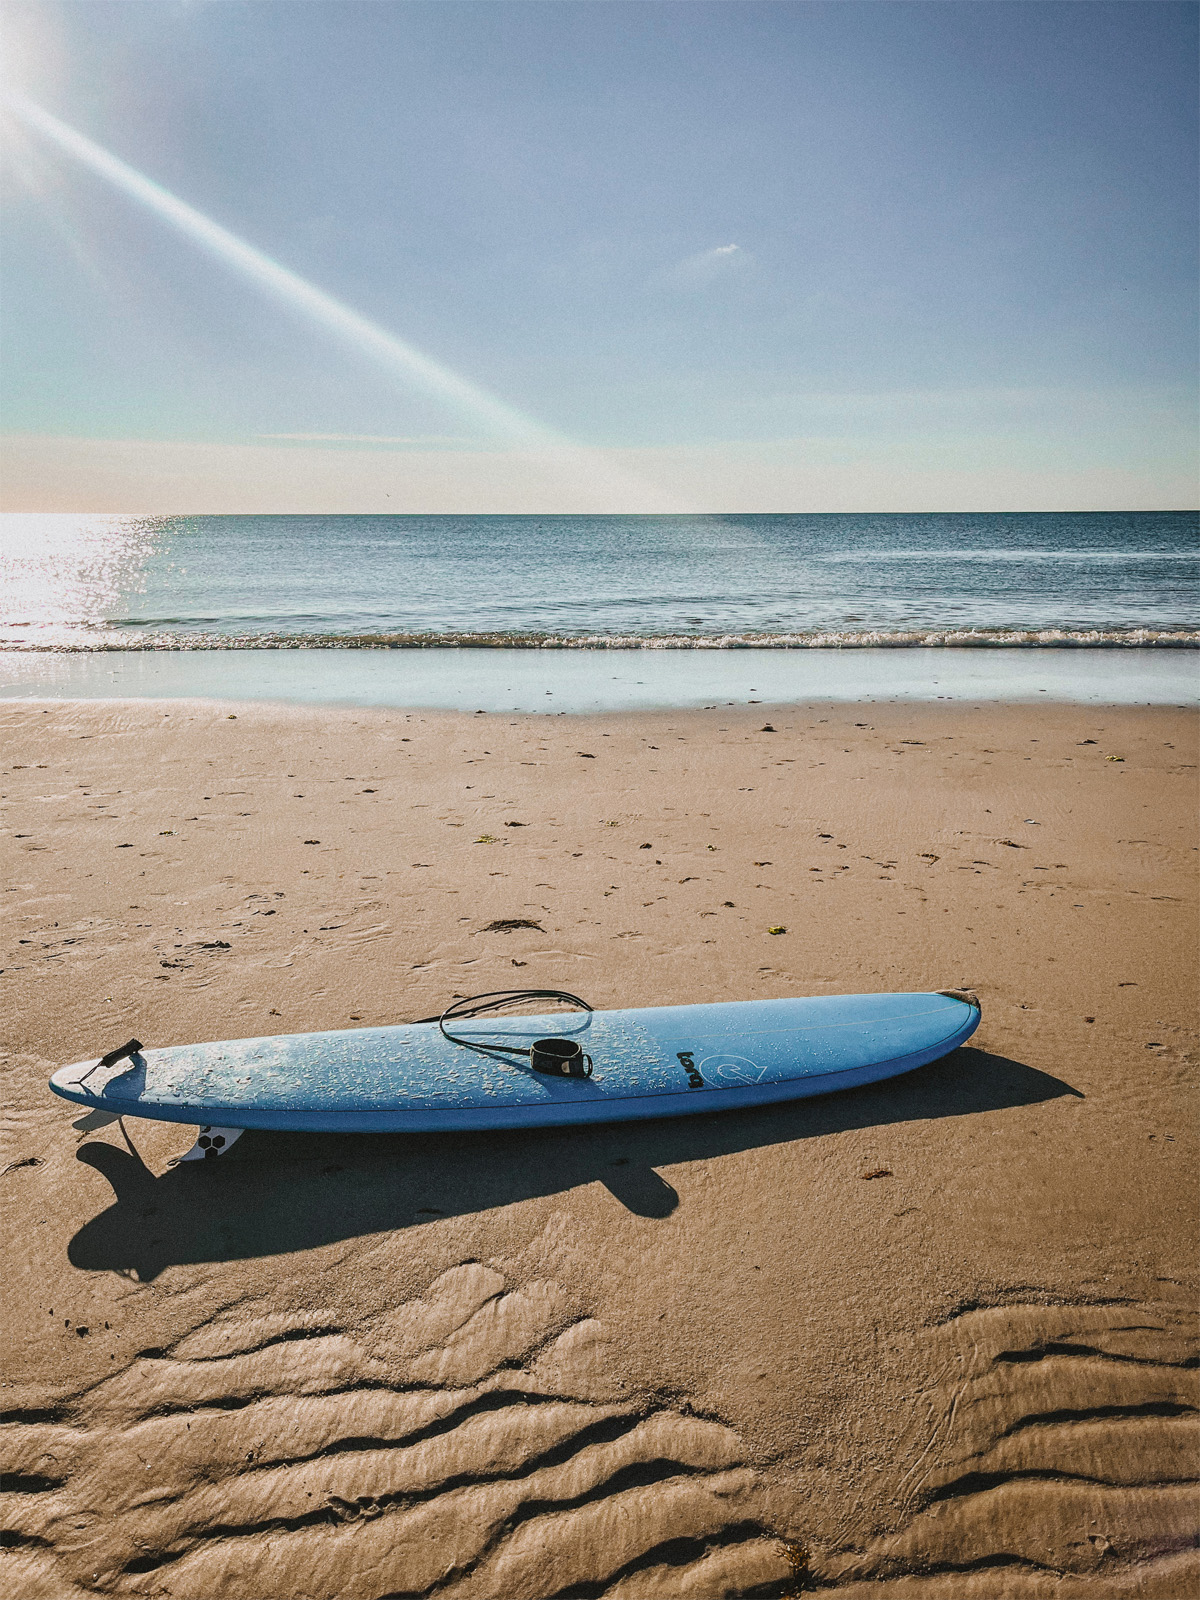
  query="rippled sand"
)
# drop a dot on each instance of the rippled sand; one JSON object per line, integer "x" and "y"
{"x": 929, "y": 1339}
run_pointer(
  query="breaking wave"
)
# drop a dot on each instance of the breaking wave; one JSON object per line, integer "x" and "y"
{"x": 76, "y": 641}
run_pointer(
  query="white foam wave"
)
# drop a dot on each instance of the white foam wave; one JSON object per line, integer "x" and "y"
{"x": 63, "y": 641}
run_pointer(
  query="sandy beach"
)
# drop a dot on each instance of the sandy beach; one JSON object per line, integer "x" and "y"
{"x": 930, "y": 1339}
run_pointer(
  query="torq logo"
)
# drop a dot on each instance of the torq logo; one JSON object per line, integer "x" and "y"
{"x": 687, "y": 1062}
{"x": 732, "y": 1069}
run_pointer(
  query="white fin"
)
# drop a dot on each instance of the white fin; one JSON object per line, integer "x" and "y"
{"x": 212, "y": 1142}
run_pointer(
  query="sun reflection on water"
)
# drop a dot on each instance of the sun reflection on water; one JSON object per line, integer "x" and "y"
{"x": 63, "y": 573}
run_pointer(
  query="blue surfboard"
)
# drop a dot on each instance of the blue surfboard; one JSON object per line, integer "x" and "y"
{"x": 662, "y": 1061}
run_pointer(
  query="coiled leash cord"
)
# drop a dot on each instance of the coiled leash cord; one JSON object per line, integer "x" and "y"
{"x": 558, "y": 1057}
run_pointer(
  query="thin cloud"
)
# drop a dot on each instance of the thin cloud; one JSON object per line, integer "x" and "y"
{"x": 365, "y": 438}
{"x": 707, "y": 265}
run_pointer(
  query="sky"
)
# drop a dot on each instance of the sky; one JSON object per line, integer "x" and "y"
{"x": 364, "y": 255}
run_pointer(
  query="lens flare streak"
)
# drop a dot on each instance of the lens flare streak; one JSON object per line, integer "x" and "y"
{"x": 396, "y": 355}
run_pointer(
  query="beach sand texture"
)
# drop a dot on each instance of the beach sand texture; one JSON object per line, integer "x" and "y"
{"x": 933, "y": 1338}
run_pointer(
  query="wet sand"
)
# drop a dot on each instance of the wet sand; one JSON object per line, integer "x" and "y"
{"x": 933, "y": 1338}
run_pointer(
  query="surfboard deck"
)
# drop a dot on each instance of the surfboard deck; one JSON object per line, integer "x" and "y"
{"x": 661, "y": 1061}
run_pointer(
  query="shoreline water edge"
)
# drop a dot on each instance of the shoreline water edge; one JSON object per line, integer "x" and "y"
{"x": 589, "y": 680}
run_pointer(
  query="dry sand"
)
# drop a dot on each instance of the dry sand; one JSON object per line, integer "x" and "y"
{"x": 928, "y": 1339}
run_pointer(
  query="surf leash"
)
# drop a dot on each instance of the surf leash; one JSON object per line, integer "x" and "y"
{"x": 559, "y": 1058}
{"x": 129, "y": 1049}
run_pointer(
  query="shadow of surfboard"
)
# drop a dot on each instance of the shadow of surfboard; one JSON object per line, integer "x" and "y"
{"x": 282, "y": 1192}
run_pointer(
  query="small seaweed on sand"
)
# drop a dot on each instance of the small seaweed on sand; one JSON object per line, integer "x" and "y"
{"x": 797, "y": 1556}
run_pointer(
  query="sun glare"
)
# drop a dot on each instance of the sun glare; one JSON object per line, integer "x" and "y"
{"x": 29, "y": 53}
{"x": 401, "y": 359}
{"x": 63, "y": 572}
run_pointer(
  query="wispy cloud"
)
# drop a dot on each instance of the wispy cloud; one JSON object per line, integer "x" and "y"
{"x": 707, "y": 265}
{"x": 365, "y": 438}
{"x": 864, "y": 471}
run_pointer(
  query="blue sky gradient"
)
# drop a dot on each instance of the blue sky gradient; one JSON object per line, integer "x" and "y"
{"x": 854, "y": 239}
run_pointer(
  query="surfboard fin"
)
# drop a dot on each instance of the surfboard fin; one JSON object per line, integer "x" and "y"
{"x": 212, "y": 1142}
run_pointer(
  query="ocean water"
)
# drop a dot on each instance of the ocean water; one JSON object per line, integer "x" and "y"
{"x": 599, "y": 613}
{"x": 1084, "y": 579}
